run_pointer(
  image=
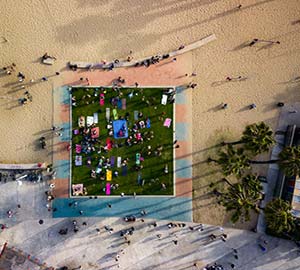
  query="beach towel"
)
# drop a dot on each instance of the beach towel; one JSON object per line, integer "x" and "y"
{"x": 101, "y": 101}
{"x": 115, "y": 114}
{"x": 136, "y": 115}
{"x": 114, "y": 101}
{"x": 139, "y": 179}
{"x": 76, "y": 131}
{"x": 77, "y": 189}
{"x": 123, "y": 103}
{"x": 107, "y": 114}
{"x": 81, "y": 121}
{"x": 78, "y": 160}
{"x": 89, "y": 120}
{"x": 96, "y": 120}
{"x": 108, "y": 175}
{"x": 148, "y": 123}
{"x": 107, "y": 189}
{"x": 164, "y": 99}
{"x": 95, "y": 132}
{"x": 124, "y": 170}
{"x": 120, "y": 129}
{"x": 108, "y": 143}
{"x": 112, "y": 161}
{"x": 138, "y": 136}
{"x": 119, "y": 160}
{"x": 78, "y": 148}
{"x": 119, "y": 104}
{"x": 168, "y": 122}
{"x": 137, "y": 159}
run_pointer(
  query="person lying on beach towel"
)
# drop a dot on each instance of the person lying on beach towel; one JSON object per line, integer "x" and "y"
{"x": 78, "y": 148}
{"x": 101, "y": 101}
{"x": 95, "y": 132}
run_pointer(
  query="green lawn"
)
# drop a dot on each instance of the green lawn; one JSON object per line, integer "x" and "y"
{"x": 152, "y": 175}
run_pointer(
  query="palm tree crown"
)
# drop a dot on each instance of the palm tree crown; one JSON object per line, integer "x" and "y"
{"x": 289, "y": 160}
{"x": 258, "y": 138}
{"x": 278, "y": 215}
{"x": 233, "y": 161}
{"x": 242, "y": 197}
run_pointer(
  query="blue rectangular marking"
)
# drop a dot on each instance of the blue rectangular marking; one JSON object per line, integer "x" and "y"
{"x": 182, "y": 131}
{"x": 183, "y": 168}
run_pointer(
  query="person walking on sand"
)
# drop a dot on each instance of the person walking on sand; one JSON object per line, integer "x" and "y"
{"x": 225, "y": 106}
{"x": 253, "y": 42}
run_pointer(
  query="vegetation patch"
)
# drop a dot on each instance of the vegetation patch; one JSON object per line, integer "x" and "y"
{"x": 122, "y": 141}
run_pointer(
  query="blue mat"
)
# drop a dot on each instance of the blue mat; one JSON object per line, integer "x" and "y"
{"x": 120, "y": 126}
{"x": 124, "y": 170}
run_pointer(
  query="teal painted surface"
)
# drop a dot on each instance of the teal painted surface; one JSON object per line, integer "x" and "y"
{"x": 182, "y": 131}
{"x": 180, "y": 95}
{"x": 62, "y": 168}
{"x": 162, "y": 208}
{"x": 183, "y": 168}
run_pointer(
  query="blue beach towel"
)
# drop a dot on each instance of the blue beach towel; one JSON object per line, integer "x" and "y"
{"x": 148, "y": 123}
{"x": 119, "y": 104}
{"x": 124, "y": 170}
{"x": 112, "y": 161}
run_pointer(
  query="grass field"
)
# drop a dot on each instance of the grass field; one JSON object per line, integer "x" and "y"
{"x": 152, "y": 174}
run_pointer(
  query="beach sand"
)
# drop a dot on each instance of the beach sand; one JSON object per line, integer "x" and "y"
{"x": 99, "y": 29}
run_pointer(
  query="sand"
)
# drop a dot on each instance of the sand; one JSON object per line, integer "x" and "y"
{"x": 97, "y": 29}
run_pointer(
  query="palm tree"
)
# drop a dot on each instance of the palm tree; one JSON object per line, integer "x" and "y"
{"x": 278, "y": 216}
{"x": 289, "y": 160}
{"x": 257, "y": 138}
{"x": 242, "y": 197}
{"x": 232, "y": 161}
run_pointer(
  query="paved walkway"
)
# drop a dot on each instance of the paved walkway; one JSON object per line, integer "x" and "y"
{"x": 185, "y": 49}
{"x": 147, "y": 251}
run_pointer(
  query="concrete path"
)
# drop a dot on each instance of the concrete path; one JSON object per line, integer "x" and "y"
{"x": 39, "y": 246}
{"x": 150, "y": 247}
{"x": 186, "y": 48}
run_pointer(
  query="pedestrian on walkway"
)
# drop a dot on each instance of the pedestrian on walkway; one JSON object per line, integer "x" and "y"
{"x": 44, "y": 79}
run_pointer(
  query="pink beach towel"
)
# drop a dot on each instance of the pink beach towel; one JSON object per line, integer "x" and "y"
{"x": 95, "y": 132}
{"x": 78, "y": 148}
{"x": 107, "y": 189}
{"x": 123, "y": 103}
{"x": 101, "y": 99}
{"x": 168, "y": 122}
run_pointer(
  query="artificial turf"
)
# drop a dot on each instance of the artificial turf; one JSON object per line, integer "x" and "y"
{"x": 152, "y": 175}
